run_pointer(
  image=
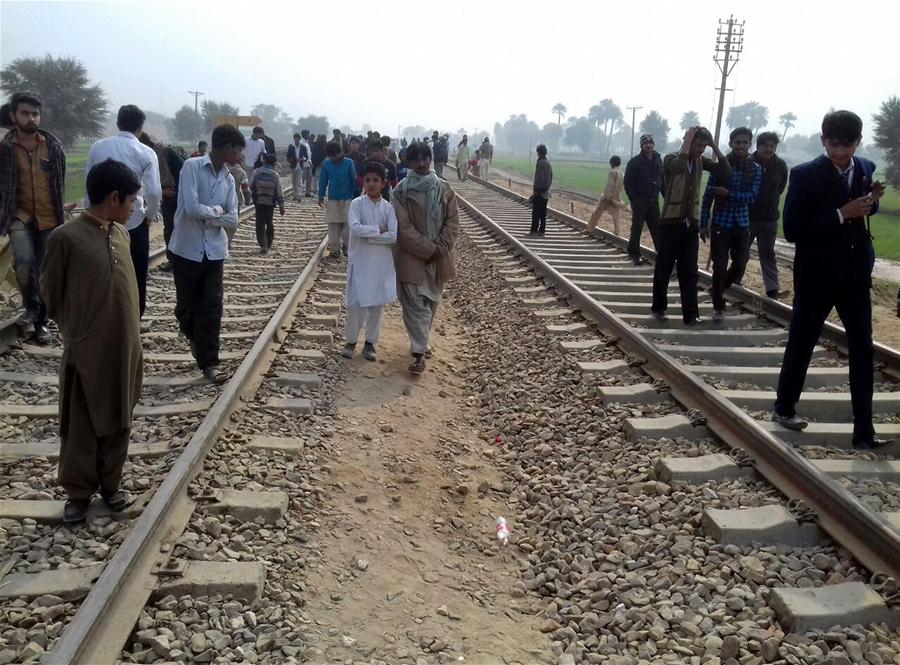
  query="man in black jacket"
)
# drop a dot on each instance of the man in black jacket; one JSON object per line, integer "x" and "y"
{"x": 764, "y": 213}
{"x": 298, "y": 157}
{"x": 643, "y": 185}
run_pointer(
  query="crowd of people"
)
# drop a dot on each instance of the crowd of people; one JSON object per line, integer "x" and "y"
{"x": 391, "y": 214}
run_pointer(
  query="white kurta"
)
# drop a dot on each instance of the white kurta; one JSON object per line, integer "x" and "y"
{"x": 371, "y": 279}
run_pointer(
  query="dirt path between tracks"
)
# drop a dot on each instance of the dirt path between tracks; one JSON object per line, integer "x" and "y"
{"x": 410, "y": 561}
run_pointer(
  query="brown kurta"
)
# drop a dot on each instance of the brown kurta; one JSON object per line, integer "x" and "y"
{"x": 89, "y": 287}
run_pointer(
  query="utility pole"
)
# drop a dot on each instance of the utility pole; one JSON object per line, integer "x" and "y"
{"x": 729, "y": 45}
{"x": 196, "y": 99}
{"x": 633, "y": 110}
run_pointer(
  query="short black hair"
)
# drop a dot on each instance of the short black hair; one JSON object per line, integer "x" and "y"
{"x": 270, "y": 159}
{"x": 373, "y": 167}
{"x": 258, "y": 130}
{"x": 386, "y": 140}
{"x": 355, "y": 140}
{"x": 30, "y": 98}
{"x": 375, "y": 144}
{"x": 333, "y": 149}
{"x": 615, "y": 160}
{"x": 740, "y": 131}
{"x": 110, "y": 176}
{"x": 6, "y": 121}
{"x": 418, "y": 150}
{"x": 296, "y": 135}
{"x": 130, "y": 118}
{"x": 767, "y": 137}
{"x": 843, "y": 126}
{"x": 304, "y": 133}
{"x": 542, "y": 149}
{"x": 199, "y": 143}
{"x": 225, "y": 135}
{"x": 703, "y": 133}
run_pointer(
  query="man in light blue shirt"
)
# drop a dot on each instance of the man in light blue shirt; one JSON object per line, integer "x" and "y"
{"x": 207, "y": 207}
{"x": 141, "y": 159}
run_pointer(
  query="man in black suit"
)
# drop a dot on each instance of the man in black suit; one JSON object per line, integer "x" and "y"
{"x": 825, "y": 213}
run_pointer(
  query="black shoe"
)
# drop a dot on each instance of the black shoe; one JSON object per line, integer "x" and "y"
{"x": 344, "y": 250}
{"x": 75, "y": 510}
{"x": 41, "y": 335}
{"x": 166, "y": 267}
{"x": 369, "y": 351}
{"x": 696, "y": 321}
{"x": 794, "y": 422}
{"x": 214, "y": 374}
{"x": 869, "y": 442}
{"x": 348, "y": 351}
{"x": 638, "y": 260}
{"x": 309, "y": 196}
{"x": 115, "y": 501}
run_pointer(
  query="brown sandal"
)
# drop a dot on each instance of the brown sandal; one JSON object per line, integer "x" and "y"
{"x": 418, "y": 366}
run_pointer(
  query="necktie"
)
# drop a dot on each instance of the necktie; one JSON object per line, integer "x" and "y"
{"x": 845, "y": 180}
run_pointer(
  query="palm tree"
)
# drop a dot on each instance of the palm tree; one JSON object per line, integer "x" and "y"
{"x": 787, "y": 120}
{"x": 615, "y": 118}
{"x": 689, "y": 119}
{"x": 596, "y": 115}
{"x": 560, "y": 110}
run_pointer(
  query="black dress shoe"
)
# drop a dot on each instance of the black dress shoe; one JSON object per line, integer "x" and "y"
{"x": 696, "y": 321}
{"x": 42, "y": 335}
{"x": 75, "y": 510}
{"x": 115, "y": 501}
{"x": 869, "y": 443}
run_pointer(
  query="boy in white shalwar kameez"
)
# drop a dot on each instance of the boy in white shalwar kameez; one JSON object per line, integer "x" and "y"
{"x": 371, "y": 279}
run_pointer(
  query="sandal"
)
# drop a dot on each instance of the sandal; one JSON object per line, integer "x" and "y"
{"x": 428, "y": 353}
{"x": 418, "y": 366}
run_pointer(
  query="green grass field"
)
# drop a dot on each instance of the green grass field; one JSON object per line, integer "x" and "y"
{"x": 590, "y": 178}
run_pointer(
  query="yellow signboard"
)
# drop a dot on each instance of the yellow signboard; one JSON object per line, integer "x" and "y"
{"x": 239, "y": 120}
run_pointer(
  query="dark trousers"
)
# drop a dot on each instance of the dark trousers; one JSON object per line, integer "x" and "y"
{"x": 676, "y": 247}
{"x": 265, "y": 226}
{"x": 539, "y": 214}
{"x": 87, "y": 461}
{"x": 167, "y": 207}
{"x": 28, "y": 243}
{"x": 765, "y": 233}
{"x": 643, "y": 211}
{"x": 731, "y": 242}
{"x": 812, "y": 306}
{"x": 140, "y": 257}
{"x": 198, "y": 305}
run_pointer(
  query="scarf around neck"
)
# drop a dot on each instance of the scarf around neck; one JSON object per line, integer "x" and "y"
{"x": 430, "y": 188}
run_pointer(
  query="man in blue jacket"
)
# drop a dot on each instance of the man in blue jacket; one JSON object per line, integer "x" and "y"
{"x": 338, "y": 178}
{"x": 828, "y": 201}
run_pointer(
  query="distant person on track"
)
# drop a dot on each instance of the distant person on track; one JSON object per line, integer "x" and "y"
{"x": 644, "y": 182}
{"x": 486, "y": 158}
{"x": 678, "y": 239}
{"x": 826, "y": 215}
{"x": 32, "y": 187}
{"x": 338, "y": 179}
{"x": 441, "y": 155}
{"x": 462, "y": 158}
{"x": 611, "y": 198}
{"x": 202, "y": 147}
{"x": 540, "y": 195}
{"x": 296, "y": 154}
{"x": 307, "y": 166}
{"x": 91, "y": 291}
{"x": 764, "y": 213}
{"x": 268, "y": 141}
{"x": 207, "y": 206}
{"x": 125, "y": 147}
{"x": 255, "y": 149}
{"x": 318, "y": 153}
{"x": 242, "y": 190}
{"x": 265, "y": 188}
{"x": 725, "y": 217}
{"x": 371, "y": 277}
{"x": 428, "y": 225}
{"x": 358, "y": 157}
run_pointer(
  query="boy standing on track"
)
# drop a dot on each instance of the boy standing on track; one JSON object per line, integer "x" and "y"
{"x": 371, "y": 279}
{"x": 825, "y": 213}
{"x": 727, "y": 225}
{"x": 306, "y": 165}
{"x": 338, "y": 178}
{"x": 207, "y": 206}
{"x": 540, "y": 196}
{"x": 427, "y": 228}
{"x": 678, "y": 236}
{"x": 764, "y": 214}
{"x": 644, "y": 182}
{"x": 91, "y": 291}
{"x": 611, "y": 198}
{"x": 265, "y": 186}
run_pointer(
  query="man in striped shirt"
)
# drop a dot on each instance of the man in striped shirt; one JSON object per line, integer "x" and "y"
{"x": 727, "y": 222}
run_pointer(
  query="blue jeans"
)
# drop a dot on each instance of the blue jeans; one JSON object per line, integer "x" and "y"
{"x": 28, "y": 245}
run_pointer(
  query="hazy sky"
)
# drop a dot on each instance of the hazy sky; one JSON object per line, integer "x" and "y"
{"x": 468, "y": 63}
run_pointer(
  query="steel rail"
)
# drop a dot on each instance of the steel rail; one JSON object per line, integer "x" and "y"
{"x": 840, "y": 514}
{"x": 108, "y": 614}
{"x": 772, "y": 309}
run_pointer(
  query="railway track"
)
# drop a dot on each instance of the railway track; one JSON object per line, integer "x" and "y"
{"x": 118, "y": 560}
{"x": 724, "y": 376}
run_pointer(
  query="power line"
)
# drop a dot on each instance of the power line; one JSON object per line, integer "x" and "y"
{"x": 729, "y": 46}
{"x": 633, "y": 110}
{"x": 196, "y": 98}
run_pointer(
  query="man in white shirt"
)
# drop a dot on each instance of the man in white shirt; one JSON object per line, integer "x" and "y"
{"x": 207, "y": 209}
{"x": 126, "y": 148}
{"x": 255, "y": 149}
{"x": 307, "y": 165}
